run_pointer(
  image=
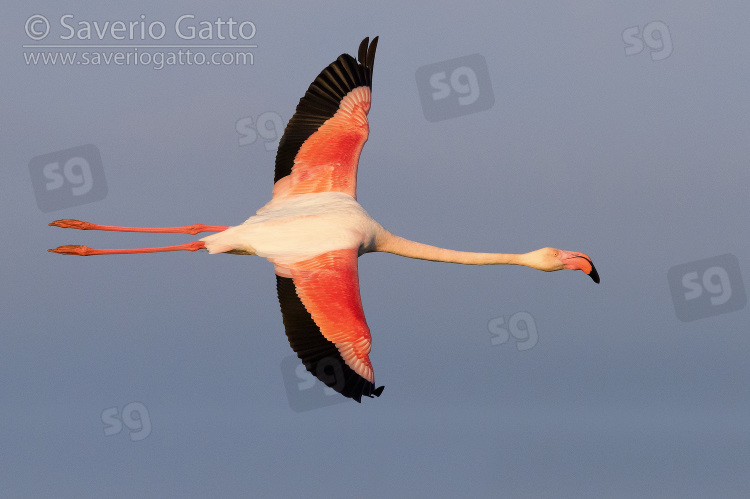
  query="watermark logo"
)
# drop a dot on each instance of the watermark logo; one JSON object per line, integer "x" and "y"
{"x": 655, "y": 35}
{"x": 184, "y": 27}
{"x": 269, "y": 126}
{"x": 455, "y": 87}
{"x": 707, "y": 287}
{"x": 306, "y": 392}
{"x": 185, "y": 40}
{"x": 520, "y": 326}
{"x": 68, "y": 178}
{"x": 134, "y": 416}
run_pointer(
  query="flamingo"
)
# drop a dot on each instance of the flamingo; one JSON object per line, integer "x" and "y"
{"x": 313, "y": 230}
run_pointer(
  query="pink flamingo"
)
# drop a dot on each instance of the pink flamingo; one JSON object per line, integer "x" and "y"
{"x": 313, "y": 230}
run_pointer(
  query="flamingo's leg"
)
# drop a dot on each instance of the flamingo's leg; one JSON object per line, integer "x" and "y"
{"x": 70, "y": 223}
{"x": 77, "y": 249}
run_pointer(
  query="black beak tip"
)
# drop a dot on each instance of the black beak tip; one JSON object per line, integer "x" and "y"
{"x": 594, "y": 274}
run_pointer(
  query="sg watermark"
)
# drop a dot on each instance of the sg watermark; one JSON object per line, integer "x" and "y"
{"x": 134, "y": 416}
{"x": 519, "y": 326}
{"x": 455, "y": 87}
{"x": 707, "y": 287}
{"x": 268, "y": 126}
{"x": 68, "y": 178}
{"x": 654, "y": 35}
{"x": 306, "y": 392}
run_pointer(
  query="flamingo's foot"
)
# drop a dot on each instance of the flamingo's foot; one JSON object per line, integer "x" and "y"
{"x": 70, "y": 223}
{"x": 71, "y": 249}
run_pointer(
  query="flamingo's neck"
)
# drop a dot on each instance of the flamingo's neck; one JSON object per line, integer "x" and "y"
{"x": 389, "y": 243}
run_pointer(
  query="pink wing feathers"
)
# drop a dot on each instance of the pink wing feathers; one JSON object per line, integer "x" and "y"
{"x": 325, "y": 322}
{"x": 320, "y": 302}
{"x": 321, "y": 144}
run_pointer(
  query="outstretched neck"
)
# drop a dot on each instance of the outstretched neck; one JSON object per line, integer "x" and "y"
{"x": 389, "y": 243}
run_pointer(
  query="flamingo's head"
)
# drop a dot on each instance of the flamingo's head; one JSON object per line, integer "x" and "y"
{"x": 551, "y": 259}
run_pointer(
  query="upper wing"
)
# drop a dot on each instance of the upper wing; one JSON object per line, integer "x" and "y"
{"x": 322, "y": 142}
{"x": 325, "y": 323}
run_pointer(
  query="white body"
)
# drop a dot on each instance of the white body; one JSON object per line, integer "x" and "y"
{"x": 297, "y": 228}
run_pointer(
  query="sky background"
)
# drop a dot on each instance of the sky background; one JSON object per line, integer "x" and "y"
{"x": 618, "y": 131}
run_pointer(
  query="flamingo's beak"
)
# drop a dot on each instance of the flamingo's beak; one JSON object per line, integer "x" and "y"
{"x": 579, "y": 261}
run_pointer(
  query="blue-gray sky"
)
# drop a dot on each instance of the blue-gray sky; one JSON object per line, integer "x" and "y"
{"x": 618, "y": 131}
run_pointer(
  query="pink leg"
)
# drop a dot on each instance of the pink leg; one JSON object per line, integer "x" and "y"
{"x": 77, "y": 249}
{"x": 69, "y": 223}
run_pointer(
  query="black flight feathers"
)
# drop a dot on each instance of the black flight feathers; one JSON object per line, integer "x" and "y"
{"x": 320, "y": 356}
{"x": 321, "y": 101}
